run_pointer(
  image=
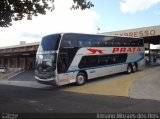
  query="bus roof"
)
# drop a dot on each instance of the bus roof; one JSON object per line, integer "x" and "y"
{"x": 95, "y": 35}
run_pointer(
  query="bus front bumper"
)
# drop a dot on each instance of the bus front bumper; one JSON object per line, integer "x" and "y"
{"x": 50, "y": 81}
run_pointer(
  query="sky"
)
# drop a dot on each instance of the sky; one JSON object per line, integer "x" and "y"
{"x": 107, "y": 15}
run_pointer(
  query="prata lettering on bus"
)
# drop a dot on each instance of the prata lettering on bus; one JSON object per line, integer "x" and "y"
{"x": 116, "y": 50}
{"x": 94, "y": 51}
{"x": 126, "y": 50}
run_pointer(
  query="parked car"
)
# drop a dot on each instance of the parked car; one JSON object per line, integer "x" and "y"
{"x": 3, "y": 70}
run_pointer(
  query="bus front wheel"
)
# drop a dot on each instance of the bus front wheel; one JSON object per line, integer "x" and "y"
{"x": 80, "y": 79}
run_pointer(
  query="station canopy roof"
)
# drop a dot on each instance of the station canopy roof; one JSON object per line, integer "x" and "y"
{"x": 150, "y": 34}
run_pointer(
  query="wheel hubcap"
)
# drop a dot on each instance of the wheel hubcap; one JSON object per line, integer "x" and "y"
{"x": 129, "y": 69}
{"x": 80, "y": 79}
{"x": 134, "y": 68}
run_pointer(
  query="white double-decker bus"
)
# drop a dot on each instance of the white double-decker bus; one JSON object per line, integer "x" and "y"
{"x": 75, "y": 58}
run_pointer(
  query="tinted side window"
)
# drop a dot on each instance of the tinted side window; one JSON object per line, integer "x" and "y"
{"x": 95, "y": 42}
{"x": 84, "y": 41}
{"x": 127, "y": 42}
{"x": 93, "y": 61}
{"x": 103, "y": 60}
{"x": 121, "y": 42}
{"x": 141, "y": 43}
{"x": 112, "y": 59}
{"x": 88, "y": 61}
{"x": 133, "y": 42}
{"x": 109, "y": 41}
{"x": 68, "y": 41}
{"x": 98, "y": 41}
{"x": 137, "y": 42}
{"x": 120, "y": 58}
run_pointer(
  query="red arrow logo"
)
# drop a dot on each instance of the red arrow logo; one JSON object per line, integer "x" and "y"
{"x": 94, "y": 51}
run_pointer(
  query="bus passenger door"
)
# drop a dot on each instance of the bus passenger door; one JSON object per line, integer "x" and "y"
{"x": 62, "y": 67}
{"x": 113, "y": 62}
{"x": 110, "y": 61}
{"x": 120, "y": 65}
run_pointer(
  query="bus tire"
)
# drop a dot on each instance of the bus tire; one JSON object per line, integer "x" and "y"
{"x": 80, "y": 79}
{"x": 134, "y": 68}
{"x": 129, "y": 68}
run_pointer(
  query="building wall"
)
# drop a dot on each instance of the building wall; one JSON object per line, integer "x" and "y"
{"x": 19, "y": 57}
{"x": 19, "y": 62}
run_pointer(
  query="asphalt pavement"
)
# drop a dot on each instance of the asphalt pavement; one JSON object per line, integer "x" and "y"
{"x": 27, "y": 75}
{"x": 16, "y": 99}
{"x": 134, "y": 93}
{"x": 147, "y": 87}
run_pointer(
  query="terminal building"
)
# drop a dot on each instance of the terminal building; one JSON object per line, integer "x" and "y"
{"x": 19, "y": 56}
{"x": 24, "y": 55}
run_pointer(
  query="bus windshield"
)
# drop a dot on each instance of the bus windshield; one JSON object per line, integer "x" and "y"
{"x": 46, "y": 56}
{"x": 49, "y": 43}
{"x": 46, "y": 62}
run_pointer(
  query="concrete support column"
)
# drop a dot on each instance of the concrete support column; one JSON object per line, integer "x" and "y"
{"x": 18, "y": 63}
{"x": 0, "y": 62}
{"x": 25, "y": 62}
{"x": 15, "y": 60}
{"x": 8, "y": 62}
{"x": 3, "y": 62}
{"x": 22, "y": 62}
{"x": 149, "y": 55}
